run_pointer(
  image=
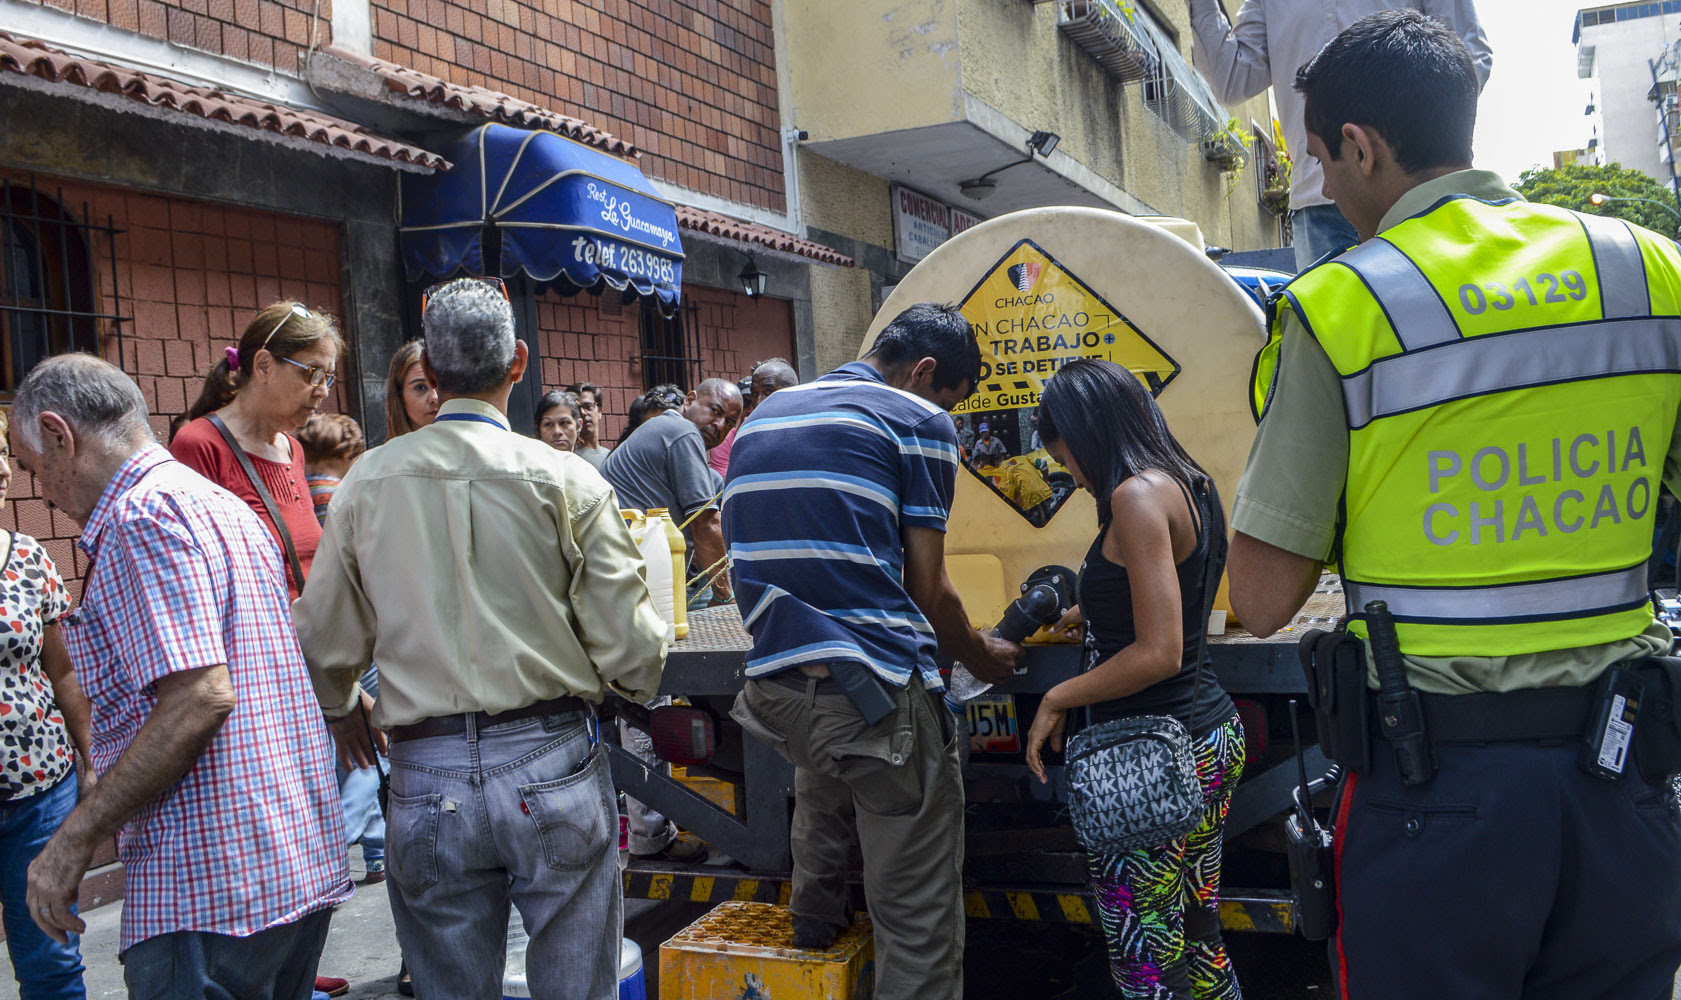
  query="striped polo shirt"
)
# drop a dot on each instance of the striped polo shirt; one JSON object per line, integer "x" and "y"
{"x": 822, "y": 478}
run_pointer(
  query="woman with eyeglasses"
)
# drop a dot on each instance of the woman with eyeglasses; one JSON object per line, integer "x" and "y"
{"x": 255, "y": 399}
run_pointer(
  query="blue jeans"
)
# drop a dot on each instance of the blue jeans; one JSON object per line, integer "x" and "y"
{"x": 520, "y": 812}
{"x": 363, "y": 822}
{"x": 276, "y": 964}
{"x": 359, "y": 794}
{"x": 1320, "y": 230}
{"x": 45, "y": 969}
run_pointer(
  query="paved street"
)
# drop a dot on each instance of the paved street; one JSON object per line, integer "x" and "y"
{"x": 1006, "y": 960}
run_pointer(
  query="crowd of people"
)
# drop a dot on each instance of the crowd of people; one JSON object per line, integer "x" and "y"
{"x": 199, "y": 556}
{"x": 288, "y": 643}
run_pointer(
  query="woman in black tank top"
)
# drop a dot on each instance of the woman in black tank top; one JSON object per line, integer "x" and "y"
{"x": 1141, "y": 597}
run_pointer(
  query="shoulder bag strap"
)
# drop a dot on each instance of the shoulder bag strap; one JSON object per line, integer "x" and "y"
{"x": 1213, "y": 561}
{"x": 263, "y": 495}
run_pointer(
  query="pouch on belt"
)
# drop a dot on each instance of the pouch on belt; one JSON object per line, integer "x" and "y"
{"x": 1657, "y": 737}
{"x": 1335, "y": 665}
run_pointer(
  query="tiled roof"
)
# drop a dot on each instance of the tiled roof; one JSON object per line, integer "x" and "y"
{"x": 33, "y": 58}
{"x": 720, "y": 225}
{"x": 483, "y": 102}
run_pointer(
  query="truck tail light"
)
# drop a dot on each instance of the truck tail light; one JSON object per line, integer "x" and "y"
{"x": 1253, "y": 715}
{"x": 683, "y": 734}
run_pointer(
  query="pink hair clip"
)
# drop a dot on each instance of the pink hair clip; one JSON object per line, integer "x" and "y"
{"x": 233, "y": 357}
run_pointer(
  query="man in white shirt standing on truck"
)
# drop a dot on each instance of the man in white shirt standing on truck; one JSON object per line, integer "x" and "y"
{"x": 1264, "y": 46}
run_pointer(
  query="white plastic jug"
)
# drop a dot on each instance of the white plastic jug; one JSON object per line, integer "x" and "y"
{"x": 649, "y": 535}
{"x": 679, "y": 555}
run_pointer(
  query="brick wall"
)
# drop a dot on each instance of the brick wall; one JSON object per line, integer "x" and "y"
{"x": 693, "y": 82}
{"x": 580, "y": 342}
{"x": 265, "y": 32}
{"x": 191, "y": 274}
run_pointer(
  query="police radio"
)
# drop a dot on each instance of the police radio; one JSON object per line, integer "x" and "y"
{"x": 1308, "y": 847}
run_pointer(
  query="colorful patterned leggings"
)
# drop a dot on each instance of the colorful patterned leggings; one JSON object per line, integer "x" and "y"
{"x": 1156, "y": 950}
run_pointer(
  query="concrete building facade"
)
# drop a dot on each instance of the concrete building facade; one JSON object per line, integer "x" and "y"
{"x": 1616, "y": 45}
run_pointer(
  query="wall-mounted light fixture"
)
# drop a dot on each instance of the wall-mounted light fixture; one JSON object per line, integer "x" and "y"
{"x": 977, "y": 188}
{"x": 752, "y": 279}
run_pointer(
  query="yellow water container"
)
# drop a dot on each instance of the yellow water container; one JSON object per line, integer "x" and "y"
{"x": 656, "y": 560}
{"x": 1044, "y": 286}
{"x": 747, "y": 950}
{"x": 679, "y": 572}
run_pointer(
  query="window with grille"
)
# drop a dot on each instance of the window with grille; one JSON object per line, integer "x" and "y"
{"x": 668, "y": 351}
{"x": 49, "y": 293}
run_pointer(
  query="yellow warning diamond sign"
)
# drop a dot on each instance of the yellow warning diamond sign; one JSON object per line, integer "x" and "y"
{"x": 1031, "y": 316}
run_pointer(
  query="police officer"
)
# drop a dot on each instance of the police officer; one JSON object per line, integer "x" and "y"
{"x": 1472, "y": 411}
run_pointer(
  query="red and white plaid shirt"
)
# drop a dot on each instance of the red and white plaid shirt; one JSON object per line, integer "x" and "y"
{"x": 185, "y": 576}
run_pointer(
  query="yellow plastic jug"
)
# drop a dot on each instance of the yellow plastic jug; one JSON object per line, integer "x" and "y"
{"x": 656, "y": 558}
{"x": 661, "y": 517}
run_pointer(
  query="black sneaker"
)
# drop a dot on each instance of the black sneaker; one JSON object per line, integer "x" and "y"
{"x": 814, "y": 934}
{"x": 684, "y": 850}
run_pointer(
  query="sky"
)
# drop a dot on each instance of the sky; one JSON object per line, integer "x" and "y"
{"x": 1533, "y": 102}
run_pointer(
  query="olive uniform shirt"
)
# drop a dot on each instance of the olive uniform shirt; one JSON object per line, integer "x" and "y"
{"x": 1298, "y": 465}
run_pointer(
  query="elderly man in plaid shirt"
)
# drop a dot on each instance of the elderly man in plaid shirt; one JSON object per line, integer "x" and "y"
{"x": 215, "y": 764}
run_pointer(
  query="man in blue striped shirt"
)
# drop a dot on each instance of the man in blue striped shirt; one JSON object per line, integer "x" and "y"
{"x": 834, "y": 514}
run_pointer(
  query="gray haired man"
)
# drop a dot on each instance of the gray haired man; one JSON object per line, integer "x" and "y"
{"x": 184, "y": 644}
{"x": 493, "y": 581}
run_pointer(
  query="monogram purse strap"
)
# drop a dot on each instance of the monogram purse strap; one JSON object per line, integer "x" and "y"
{"x": 279, "y": 522}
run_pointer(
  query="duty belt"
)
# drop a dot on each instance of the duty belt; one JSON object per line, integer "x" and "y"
{"x": 446, "y": 725}
{"x": 1553, "y": 713}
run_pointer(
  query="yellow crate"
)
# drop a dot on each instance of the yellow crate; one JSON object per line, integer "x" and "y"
{"x": 720, "y": 793}
{"x": 747, "y": 950}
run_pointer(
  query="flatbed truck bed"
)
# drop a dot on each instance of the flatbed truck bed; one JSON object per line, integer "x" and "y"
{"x": 1021, "y": 859}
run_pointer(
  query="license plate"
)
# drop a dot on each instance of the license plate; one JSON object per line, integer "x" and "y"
{"x": 992, "y": 724}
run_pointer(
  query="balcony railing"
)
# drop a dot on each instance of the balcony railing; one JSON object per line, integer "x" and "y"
{"x": 1112, "y": 34}
{"x": 1179, "y": 94}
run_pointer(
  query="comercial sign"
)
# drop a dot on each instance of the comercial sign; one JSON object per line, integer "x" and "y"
{"x": 921, "y": 223}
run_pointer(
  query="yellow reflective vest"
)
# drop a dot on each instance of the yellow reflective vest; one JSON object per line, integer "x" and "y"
{"x": 1511, "y": 375}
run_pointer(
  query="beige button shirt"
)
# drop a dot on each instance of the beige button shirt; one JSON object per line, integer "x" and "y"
{"x": 1267, "y": 41}
{"x": 483, "y": 571}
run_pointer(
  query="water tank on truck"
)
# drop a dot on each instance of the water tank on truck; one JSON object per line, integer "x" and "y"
{"x": 1045, "y": 286}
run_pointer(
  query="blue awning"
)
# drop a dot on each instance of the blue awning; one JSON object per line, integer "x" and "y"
{"x": 565, "y": 214}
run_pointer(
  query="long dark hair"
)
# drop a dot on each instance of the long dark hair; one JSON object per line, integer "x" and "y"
{"x": 1113, "y": 428}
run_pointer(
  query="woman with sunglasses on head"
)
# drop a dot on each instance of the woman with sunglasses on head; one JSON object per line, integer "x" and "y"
{"x": 1141, "y": 594}
{"x": 255, "y": 398}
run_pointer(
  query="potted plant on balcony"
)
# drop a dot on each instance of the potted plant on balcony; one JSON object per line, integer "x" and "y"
{"x": 1225, "y": 148}
{"x": 1275, "y": 177}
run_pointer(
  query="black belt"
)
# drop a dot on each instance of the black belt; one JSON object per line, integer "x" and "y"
{"x": 795, "y": 678}
{"x": 447, "y": 725}
{"x": 1553, "y": 713}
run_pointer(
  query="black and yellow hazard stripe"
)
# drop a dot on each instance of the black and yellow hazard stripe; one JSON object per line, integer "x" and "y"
{"x": 1029, "y": 904}
{"x": 1253, "y": 912}
{"x": 686, "y": 887}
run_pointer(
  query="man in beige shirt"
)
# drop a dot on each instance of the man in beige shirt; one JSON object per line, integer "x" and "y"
{"x": 493, "y": 581}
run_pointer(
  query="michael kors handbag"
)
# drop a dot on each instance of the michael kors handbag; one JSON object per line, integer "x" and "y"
{"x": 1132, "y": 782}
